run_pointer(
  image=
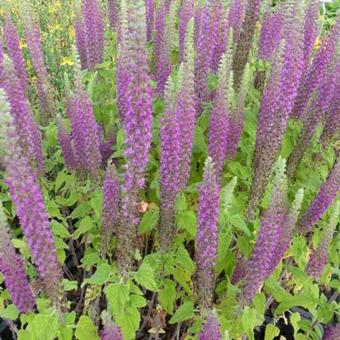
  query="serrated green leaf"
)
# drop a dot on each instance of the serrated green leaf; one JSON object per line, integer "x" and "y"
{"x": 85, "y": 225}
{"x": 167, "y": 295}
{"x": 149, "y": 221}
{"x": 145, "y": 276}
{"x": 186, "y": 220}
{"x": 184, "y": 312}
{"x": 86, "y": 329}
{"x": 238, "y": 222}
{"x": 10, "y": 313}
{"x": 100, "y": 277}
{"x": 69, "y": 285}
{"x": 117, "y": 296}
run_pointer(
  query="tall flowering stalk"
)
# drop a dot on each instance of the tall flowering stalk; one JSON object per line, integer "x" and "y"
{"x": 331, "y": 129}
{"x": 185, "y": 106}
{"x": 259, "y": 266}
{"x": 204, "y": 56}
{"x": 81, "y": 41}
{"x": 246, "y": 39}
{"x": 111, "y": 197}
{"x": 270, "y": 35}
{"x": 315, "y": 74}
{"x": 30, "y": 207}
{"x": 206, "y": 241}
{"x": 150, "y": 11}
{"x": 267, "y": 135}
{"x": 313, "y": 116}
{"x": 164, "y": 66}
{"x": 2, "y": 68}
{"x": 12, "y": 268}
{"x": 94, "y": 31}
{"x": 84, "y": 131}
{"x": 319, "y": 257}
{"x": 170, "y": 163}
{"x": 113, "y": 14}
{"x": 185, "y": 14}
{"x": 287, "y": 230}
{"x": 236, "y": 18}
{"x": 236, "y": 120}
{"x": 33, "y": 39}
{"x": 219, "y": 119}
{"x": 311, "y": 29}
{"x": 27, "y": 129}
{"x": 14, "y": 51}
{"x": 211, "y": 328}
{"x": 138, "y": 130}
{"x": 323, "y": 200}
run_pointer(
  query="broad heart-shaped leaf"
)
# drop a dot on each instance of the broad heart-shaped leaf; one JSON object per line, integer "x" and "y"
{"x": 145, "y": 276}
{"x": 85, "y": 225}
{"x": 149, "y": 220}
{"x": 129, "y": 322}
{"x": 10, "y": 313}
{"x": 117, "y": 296}
{"x": 167, "y": 295}
{"x": 184, "y": 312}
{"x": 85, "y": 329}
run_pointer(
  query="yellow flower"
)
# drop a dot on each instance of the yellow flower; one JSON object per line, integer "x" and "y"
{"x": 67, "y": 61}
{"x": 22, "y": 44}
{"x": 317, "y": 43}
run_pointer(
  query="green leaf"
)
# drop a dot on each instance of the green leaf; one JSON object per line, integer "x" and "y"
{"x": 145, "y": 276}
{"x": 271, "y": 332}
{"x": 138, "y": 301}
{"x": 260, "y": 303}
{"x": 238, "y": 222}
{"x": 59, "y": 229}
{"x": 85, "y": 225}
{"x": 184, "y": 312}
{"x": 149, "y": 221}
{"x": 227, "y": 194}
{"x": 117, "y": 296}
{"x": 100, "y": 277}
{"x": 10, "y": 313}
{"x": 184, "y": 260}
{"x": 200, "y": 145}
{"x": 305, "y": 299}
{"x": 167, "y": 295}
{"x": 96, "y": 203}
{"x": 69, "y": 285}
{"x": 187, "y": 221}
{"x": 294, "y": 320}
{"x": 86, "y": 329}
{"x": 129, "y": 322}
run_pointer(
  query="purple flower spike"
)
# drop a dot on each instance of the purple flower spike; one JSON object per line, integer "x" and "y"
{"x": 314, "y": 76}
{"x": 268, "y": 135}
{"x": 204, "y": 55}
{"x": 259, "y": 266}
{"x": 110, "y": 330}
{"x": 65, "y": 141}
{"x": 186, "y": 106}
{"x": 236, "y": 18}
{"x": 12, "y": 268}
{"x": 331, "y": 129}
{"x": 206, "y": 241}
{"x": 332, "y": 332}
{"x": 170, "y": 163}
{"x": 111, "y": 197}
{"x": 84, "y": 132}
{"x": 219, "y": 121}
{"x": 30, "y": 207}
{"x": 211, "y": 328}
{"x": 113, "y": 13}
{"x": 323, "y": 200}
{"x": 246, "y": 39}
{"x": 81, "y": 41}
{"x": 94, "y": 30}
{"x": 1, "y": 64}
{"x": 27, "y": 129}
{"x": 270, "y": 35}
{"x": 311, "y": 29}
{"x": 150, "y": 8}
{"x": 314, "y": 114}
{"x": 138, "y": 129}
{"x": 14, "y": 51}
{"x": 319, "y": 258}
{"x": 185, "y": 15}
